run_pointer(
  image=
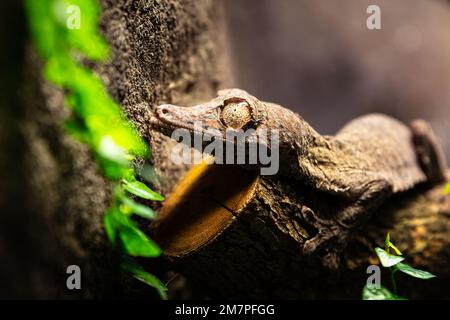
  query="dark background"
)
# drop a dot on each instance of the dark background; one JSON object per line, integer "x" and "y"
{"x": 319, "y": 59}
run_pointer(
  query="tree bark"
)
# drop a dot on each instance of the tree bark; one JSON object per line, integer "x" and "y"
{"x": 54, "y": 198}
{"x": 256, "y": 251}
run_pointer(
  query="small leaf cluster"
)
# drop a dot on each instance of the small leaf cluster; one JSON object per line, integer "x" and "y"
{"x": 395, "y": 264}
{"x": 97, "y": 120}
{"x": 124, "y": 232}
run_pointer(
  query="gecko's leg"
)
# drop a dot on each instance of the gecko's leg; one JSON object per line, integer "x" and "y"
{"x": 429, "y": 152}
{"x": 333, "y": 234}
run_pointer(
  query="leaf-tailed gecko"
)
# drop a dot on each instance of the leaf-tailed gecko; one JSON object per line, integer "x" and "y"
{"x": 367, "y": 161}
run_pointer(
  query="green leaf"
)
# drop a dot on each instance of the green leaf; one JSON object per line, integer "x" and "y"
{"x": 371, "y": 292}
{"x": 111, "y": 169}
{"x": 97, "y": 120}
{"x": 397, "y": 251}
{"x": 387, "y": 241}
{"x": 110, "y": 150}
{"x": 389, "y": 244}
{"x": 136, "y": 243}
{"x": 131, "y": 206}
{"x": 387, "y": 259}
{"x": 110, "y": 226}
{"x": 447, "y": 188}
{"x": 416, "y": 273}
{"x": 114, "y": 221}
{"x": 139, "y": 273}
{"x": 141, "y": 190}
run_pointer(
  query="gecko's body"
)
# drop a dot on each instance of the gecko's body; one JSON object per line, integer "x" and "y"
{"x": 372, "y": 147}
{"x": 367, "y": 161}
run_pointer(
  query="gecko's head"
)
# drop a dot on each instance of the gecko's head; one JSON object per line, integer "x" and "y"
{"x": 232, "y": 109}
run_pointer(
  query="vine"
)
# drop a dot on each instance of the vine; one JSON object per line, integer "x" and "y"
{"x": 63, "y": 43}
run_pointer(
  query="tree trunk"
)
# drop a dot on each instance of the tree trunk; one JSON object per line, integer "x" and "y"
{"x": 54, "y": 195}
{"x": 235, "y": 234}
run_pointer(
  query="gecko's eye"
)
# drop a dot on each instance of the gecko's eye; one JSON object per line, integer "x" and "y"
{"x": 236, "y": 114}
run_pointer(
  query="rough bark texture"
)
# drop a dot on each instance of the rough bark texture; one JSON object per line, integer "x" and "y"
{"x": 53, "y": 196}
{"x": 259, "y": 255}
{"x": 163, "y": 51}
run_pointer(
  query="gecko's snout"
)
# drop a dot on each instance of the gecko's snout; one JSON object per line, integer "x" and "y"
{"x": 158, "y": 115}
{"x": 163, "y": 114}
{"x": 155, "y": 119}
{"x": 163, "y": 109}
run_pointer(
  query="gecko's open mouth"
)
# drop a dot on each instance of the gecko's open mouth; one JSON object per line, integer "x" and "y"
{"x": 202, "y": 206}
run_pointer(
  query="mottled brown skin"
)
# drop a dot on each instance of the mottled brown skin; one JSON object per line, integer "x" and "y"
{"x": 371, "y": 158}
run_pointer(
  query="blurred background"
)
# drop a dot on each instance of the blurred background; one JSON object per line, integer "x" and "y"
{"x": 316, "y": 57}
{"x": 320, "y": 59}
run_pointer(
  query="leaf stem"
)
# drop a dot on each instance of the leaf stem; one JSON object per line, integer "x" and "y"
{"x": 394, "y": 285}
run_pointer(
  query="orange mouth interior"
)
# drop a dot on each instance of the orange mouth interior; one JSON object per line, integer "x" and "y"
{"x": 202, "y": 205}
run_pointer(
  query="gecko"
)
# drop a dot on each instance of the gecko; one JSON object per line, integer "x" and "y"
{"x": 367, "y": 161}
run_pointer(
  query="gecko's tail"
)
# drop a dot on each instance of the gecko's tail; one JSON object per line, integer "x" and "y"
{"x": 429, "y": 152}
